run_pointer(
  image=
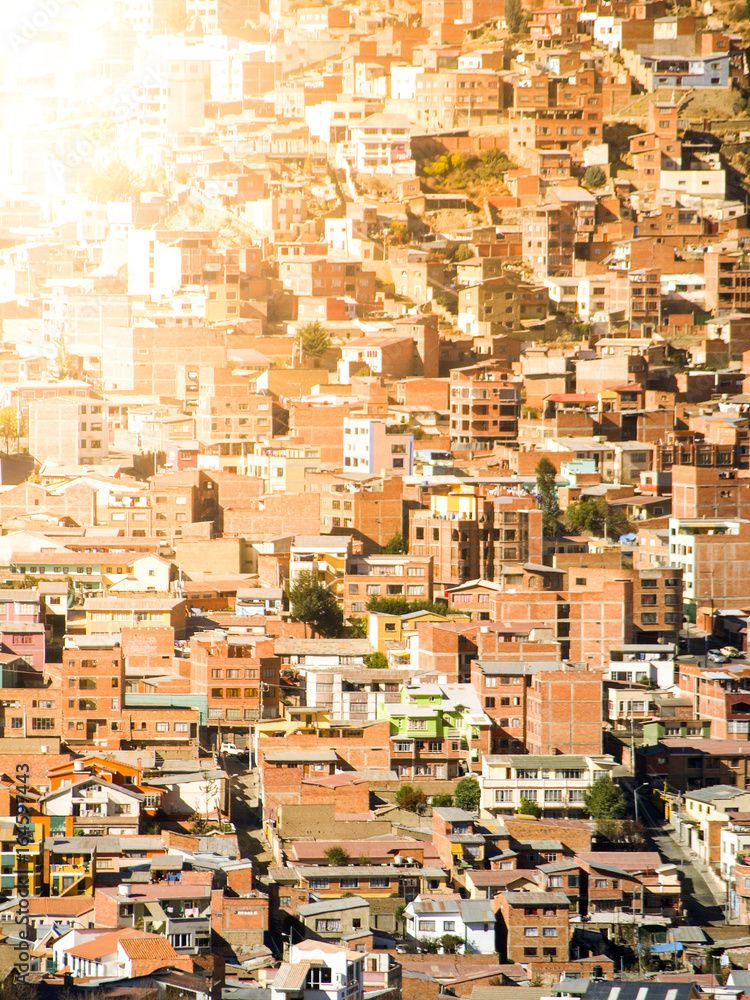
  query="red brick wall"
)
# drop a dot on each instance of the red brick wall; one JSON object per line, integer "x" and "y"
{"x": 282, "y": 513}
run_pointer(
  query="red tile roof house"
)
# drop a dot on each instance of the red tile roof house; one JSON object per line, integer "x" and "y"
{"x": 119, "y": 954}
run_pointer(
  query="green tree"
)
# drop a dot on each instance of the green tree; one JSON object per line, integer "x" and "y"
{"x": 514, "y": 15}
{"x": 398, "y": 914}
{"x": 462, "y": 252}
{"x": 9, "y": 426}
{"x": 528, "y": 808}
{"x": 113, "y": 181}
{"x": 63, "y": 365}
{"x": 621, "y": 831}
{"x": 604, "y": 800}
{"x": 399, "y": 232}
{"x": 467, "y": 794}
{"x": 594, "y": 177}
{"x": 546, "y": 489}
{"x": 403, "y": 606}
{"x": 316, "y": 606}
{"x": 494, "y": 163}
{"x": 176, "y": 18}
{"x": 450, "y": 304}
{"x": 451, "y": 943}
{"x": 596, "y": 517}
{"x": 198, "y": 825}
{"x": 313, "y": 338}
{"x": 410, "y": 798}
{"x": 394, "y": 545}
{"x": 376, "y": 661}
{"x": 337, "y": 857}
{"x": 357, "y": 628}
{"x": 441, "y": 801}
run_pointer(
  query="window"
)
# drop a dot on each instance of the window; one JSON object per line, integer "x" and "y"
{"x": 531, "y": 932}
{"x": 449, "y": 925}
{"x": 327, "y": 925}
{"x": 600, "y": 883}
{"x": 318, "y": 976}
{"x": 550, "y": 932}
{"x": 162, "y": 727}
{"x": 427, "y": 925}
{"x": 319, "y": 883}
{"x": 379, "y": 883}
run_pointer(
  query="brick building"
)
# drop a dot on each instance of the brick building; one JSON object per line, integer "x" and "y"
{"x": 93, "y": 686}
{"x": 239, "y": 675}
{"x": 485, "y": 406}
{"x": 533, "y": 925}
{"x": 182, "y": 498}
{"x": 687, "y": 763}
{"x": 564, "y": 712}
{"x": 386, "y": 576}
{"x": 472, "y": 535}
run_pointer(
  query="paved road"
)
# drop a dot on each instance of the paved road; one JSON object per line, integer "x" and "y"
{"x": 700, "y": 897}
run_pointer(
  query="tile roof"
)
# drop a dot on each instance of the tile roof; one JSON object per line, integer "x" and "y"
{"x": 148, "y": 946}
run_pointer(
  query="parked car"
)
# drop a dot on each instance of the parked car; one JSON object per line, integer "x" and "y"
{"x": 729, "y": 651}
{"x": 230, "y": 750}
{"x": 716, "y": 657}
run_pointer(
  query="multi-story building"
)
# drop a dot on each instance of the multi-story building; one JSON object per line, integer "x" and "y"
{"x": 454, "y": 98}
{"x": 533, "y": 925}
{"x": 93, "y": 686}
{"x": 485, "y": 405}
{"x": 552, "y": 231}
{"x": 282, "y": 465}
{"x": 570, "y": 128}
{"x": 700, "y": 548}
{"x": 238, "y": 674}
{"x": 437, "y": 731}
{"x": 68, "y": 431}
{"x": 231, "y": 409}
{"x": 727, "y": 281}
{"x": 387, "y": 576}
{"x": 370, "y": 447}
{"x": 556, "y": 783}
{"x": 380, "y": 144}
{"x": 182, "y": 498}
{"x": 719, "y": 696}
{"x": 179, "y": 911}
{"x": 498, "y": 305}
{"x": 473, "y": 536}
{"x": 564, "y": 712}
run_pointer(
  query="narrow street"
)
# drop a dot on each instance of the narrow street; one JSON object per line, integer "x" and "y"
{"x": 703, "y": 900}
{"x": 245, "y": 814}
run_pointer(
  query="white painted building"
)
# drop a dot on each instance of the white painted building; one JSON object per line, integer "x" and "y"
{"x": 369, "y": 448}
{"x": 380, "y": 144}
{"x": 319, "y": 971}
{"x": 473, "y": 920}
{"x": 556, "y": 783}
